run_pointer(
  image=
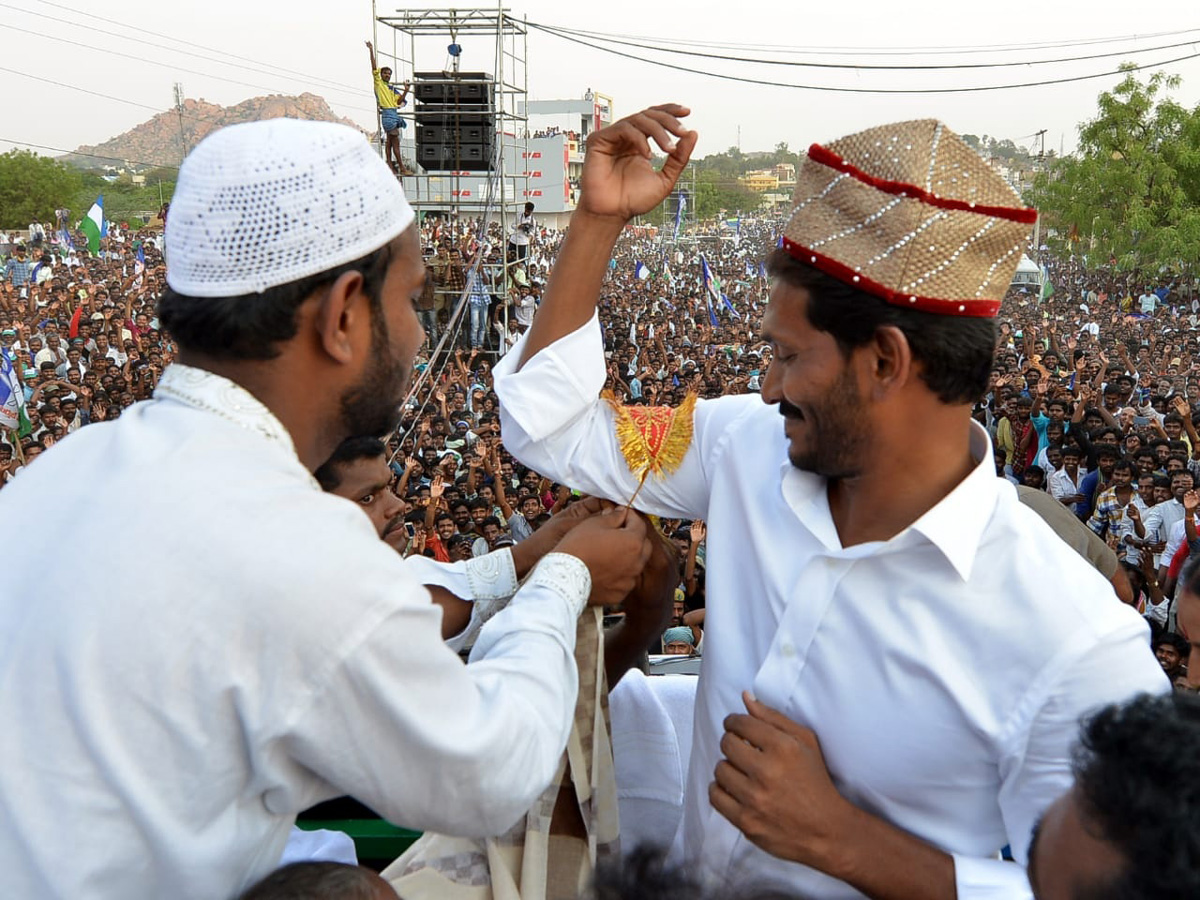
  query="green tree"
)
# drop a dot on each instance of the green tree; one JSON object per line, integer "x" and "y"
{"x": 716, "y": 193}
{"x": 1132, "y": 192}
{"x": 32, "y": 187}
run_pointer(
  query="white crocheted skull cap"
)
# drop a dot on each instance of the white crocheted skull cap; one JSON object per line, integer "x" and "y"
{"x": 266, "y": 203}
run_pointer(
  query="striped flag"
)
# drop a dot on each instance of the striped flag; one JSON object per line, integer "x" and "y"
{"x": 679, "y": 214}
{"x": 641, "y": 271}
{"x": 12, "y": 397}
{"x": 712, "y": 289}
{"x": 95, "y": 226}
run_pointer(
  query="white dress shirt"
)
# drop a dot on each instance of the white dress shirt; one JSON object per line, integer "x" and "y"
{"x": 231, "y": 645}
{"x": 944, "y": 670}
{"x": 1157, "y": 524}
{"x": 1063, "y": 485}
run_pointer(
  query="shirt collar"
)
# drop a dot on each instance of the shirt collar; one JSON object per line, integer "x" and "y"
{"x": 221, "y": 397}
{"x": 954, "y": 525}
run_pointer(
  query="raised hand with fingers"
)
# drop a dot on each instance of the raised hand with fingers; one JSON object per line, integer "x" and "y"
{"x": 1191, "y": 501}
{"x": 619, "y": 180}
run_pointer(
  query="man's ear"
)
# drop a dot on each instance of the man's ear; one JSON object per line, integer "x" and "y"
{"x": 338, "y": 316}
{"x": 891, "y": 361}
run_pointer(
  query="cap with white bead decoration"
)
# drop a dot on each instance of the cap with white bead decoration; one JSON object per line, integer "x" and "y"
{"x": 263, "y": 204}
{"x": 910, "y": 213}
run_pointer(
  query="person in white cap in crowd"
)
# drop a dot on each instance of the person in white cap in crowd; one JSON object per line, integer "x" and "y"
{"x": 244, "y": 645}
{"x": 889, "y": 700}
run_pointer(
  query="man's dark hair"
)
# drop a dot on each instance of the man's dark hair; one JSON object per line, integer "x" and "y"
{"x": 250, "y": 326}
{"x": 352, "y": 449}
{"x": 315, "y": 881}
{"x": 1138, "y": 779}
{"x": 955, "y": 353}
{"x": 644, "y": 874}
{"x": 1178, "y": 641}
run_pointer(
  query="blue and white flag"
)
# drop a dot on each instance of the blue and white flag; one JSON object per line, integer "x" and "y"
{"x": 750, "y": 273}
{"x": 679, "y": 213}
{"x": 762, "y": 271}
{"x": 641, "y": 271}
{"x": 12, "y": 396}
{"x": 667, "y": 276}
{"x": 707, "y": 280}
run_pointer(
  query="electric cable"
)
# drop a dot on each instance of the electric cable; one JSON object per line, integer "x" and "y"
{"x": 877, "y": 67}
{"x": 864, "y": 90}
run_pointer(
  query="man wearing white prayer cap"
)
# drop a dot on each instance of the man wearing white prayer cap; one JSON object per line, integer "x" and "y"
{"x": 229, "y": 645}
{"x": 888, "y": 695}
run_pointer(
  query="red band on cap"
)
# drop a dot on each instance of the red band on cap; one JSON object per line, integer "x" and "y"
{"x": 825, "y": 157}
{"x": 976, "y": 307}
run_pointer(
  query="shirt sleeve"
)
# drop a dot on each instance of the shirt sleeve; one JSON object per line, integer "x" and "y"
{"x": 1057, "y": 489}
{"x": 399, "y": 722}
{"x": 553, "y": 421}
{"x": 1174, "y": 540}
{"x": 489, "y": 578}
{"x": 1035, "y": 762}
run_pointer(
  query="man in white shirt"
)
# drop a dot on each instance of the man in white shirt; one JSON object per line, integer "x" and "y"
{"x": 1162, "y": 517}
{"x": 1064, "y": 482}
{"x": 254, "y": 648}
{"x": 1148, "y": 301}
{"x": 522, "y": 233}
{"x": 870, "y": 581}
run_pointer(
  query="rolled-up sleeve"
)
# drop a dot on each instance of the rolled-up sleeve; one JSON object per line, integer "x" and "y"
{"x": 553, "y": 420}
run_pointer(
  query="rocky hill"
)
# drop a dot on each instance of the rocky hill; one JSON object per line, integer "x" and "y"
{"x": 157, "y": 142}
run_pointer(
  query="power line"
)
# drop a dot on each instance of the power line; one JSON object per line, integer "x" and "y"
{"x": 875, "y": 51}
{"x": 120, "y": 159}
{"x": 859, "y": 90}
{"x": 125, "y": 37}
{"x": 83, "y": 90}
{"x": 152, "y": 62}
{"x": 187, "y": 43}
{"x": 875, "y": 67}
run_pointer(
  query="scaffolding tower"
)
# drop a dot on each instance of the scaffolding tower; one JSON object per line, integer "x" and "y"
{"x": 481, "y": 40}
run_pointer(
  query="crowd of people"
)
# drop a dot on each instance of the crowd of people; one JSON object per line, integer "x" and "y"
{"x": 1093, "y": 399}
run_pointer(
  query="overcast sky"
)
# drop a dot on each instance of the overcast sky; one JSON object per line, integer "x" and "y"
{"x": 309, "y": 37}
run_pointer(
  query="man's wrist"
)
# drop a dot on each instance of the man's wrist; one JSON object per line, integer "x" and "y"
{"x": 596, "y": 227}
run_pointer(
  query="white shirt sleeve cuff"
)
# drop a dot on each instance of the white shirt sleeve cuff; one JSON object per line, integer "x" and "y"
{"x": 489, "y": 577}
{"x": 990, "y": 879}
{"x": 566, "y": 576}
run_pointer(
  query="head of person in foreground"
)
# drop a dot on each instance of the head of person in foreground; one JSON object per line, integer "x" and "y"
{"x": 890, "y": 270}
{"x": 1129, "y": 829}
{"x": 294, "y": 265}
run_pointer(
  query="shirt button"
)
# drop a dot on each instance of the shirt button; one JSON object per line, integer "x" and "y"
{"x": 788, "y": 649}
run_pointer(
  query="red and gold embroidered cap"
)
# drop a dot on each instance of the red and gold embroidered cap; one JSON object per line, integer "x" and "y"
{"x": 909, "y": 213}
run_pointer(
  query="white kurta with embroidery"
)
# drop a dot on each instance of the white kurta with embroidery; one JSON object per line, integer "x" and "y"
{"x": 196, "y": 643}
{"x": 944, "y": 670}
